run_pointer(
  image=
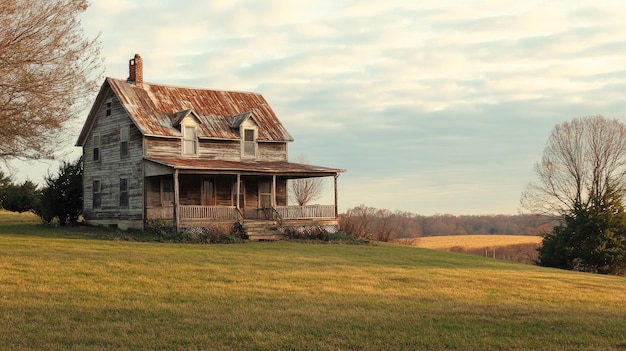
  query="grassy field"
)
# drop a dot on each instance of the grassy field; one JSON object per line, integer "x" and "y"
{"x": 61, "y": 289}
{"x": 516, "y": 248}
{"x": 473, "y": 241}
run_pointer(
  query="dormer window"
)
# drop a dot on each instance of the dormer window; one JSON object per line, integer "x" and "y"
{"x": 249, "y": 143}
{"x": 190, "y": 140}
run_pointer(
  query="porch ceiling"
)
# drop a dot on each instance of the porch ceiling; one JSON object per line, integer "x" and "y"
{"x": 289, "y": 169}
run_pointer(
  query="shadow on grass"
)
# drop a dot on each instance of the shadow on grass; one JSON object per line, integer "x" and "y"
{"x": 78, "y": 231}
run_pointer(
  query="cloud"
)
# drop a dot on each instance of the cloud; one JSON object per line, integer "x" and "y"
{"x": 432, "y": 106}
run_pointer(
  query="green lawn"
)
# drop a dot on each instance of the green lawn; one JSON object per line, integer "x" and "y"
{"x": 62, "y": 289}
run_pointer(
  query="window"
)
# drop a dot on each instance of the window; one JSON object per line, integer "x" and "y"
{"x": 97, "y": 195}
{"x": 124, "y": 192}
{"x": 189, "y": 140}
{"x": 265, "y": 193}
{"x": 96, "y": 148}
{"x": 124, "y": 142}
{"x": 249, "y": 143}
{"x": 108, "y": 108}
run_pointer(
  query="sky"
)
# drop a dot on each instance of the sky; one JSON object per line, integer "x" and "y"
{"x": 432, "y": 107}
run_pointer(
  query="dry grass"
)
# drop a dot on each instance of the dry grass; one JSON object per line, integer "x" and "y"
{"x": 60, "y": 289}
{"x": 517, "y": 248}
{"x": 59, "y": 292}
{"x": 473, "y": 241}
{"x": 7, "y": 217}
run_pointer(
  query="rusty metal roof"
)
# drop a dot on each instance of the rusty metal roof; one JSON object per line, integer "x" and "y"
{"x": 153, "y": 109}
{"x": 251, "y": 167}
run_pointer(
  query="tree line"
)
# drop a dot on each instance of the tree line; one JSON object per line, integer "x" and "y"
{"x": 60, "y": 198}
{"x": 386, "y": 225}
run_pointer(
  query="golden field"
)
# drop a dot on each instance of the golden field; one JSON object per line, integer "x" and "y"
{"x": 473, "y": 241}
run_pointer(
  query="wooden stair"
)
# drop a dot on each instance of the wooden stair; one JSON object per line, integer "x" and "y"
{"x": 262, "y": 230}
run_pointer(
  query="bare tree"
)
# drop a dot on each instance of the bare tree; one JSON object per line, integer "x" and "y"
{"x": 305, "y": 190}
{"x": 46, "y": 73}
{"x": 583, "y": 159}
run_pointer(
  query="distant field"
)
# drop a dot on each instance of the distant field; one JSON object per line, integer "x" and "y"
{"x": 7, "y": 217}
{"x": 517, "y": 248}
{"x": 473, "y": 241}
{"x": 60, "y": 289}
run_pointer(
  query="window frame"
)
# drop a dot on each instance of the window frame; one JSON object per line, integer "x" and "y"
{"x": 246, "y": 143}
{"x": 124, "y": 193}
{"x": 96, "y": 148}
{"x": 193, "y": 140}
{"x": 267, "y": 195}
{"x": 124, "y": 144}
{"x": 108, "y": 106}
{"x": 96, "y": 194}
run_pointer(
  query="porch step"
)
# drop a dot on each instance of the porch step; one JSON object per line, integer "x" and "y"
{"x": 261, "y": 230}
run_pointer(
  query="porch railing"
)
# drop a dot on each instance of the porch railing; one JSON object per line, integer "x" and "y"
{"x": 304, "y": 212}
{"x": 193, "y": 212}
{"x": 208, "y": 212}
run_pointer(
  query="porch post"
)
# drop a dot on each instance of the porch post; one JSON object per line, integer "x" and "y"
{"x": 274, "y": 190}
{"x": 336, "y": 207}
{"x": 176, "y": 200}
{"x": 238, "y": 190}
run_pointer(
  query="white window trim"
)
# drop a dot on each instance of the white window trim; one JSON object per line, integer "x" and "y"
{"x": 184, "y": 139}
{"x": 243, "y": 142}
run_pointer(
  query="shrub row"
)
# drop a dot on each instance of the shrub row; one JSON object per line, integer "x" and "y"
{"x": 321, "y": 235}
{"x": 163, "y": 231}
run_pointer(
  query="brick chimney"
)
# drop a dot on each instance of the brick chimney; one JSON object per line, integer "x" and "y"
{"x": 135, "y": 71}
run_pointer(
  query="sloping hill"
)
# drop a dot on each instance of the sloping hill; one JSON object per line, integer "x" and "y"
{"x": 59, "y": 289}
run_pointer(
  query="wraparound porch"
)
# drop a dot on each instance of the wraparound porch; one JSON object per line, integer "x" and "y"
{"x": 189, "y": 215}
{"x": 203, "y": 192}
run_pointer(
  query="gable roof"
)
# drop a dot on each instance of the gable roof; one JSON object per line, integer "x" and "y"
{"x": 155, "y": 110}
{"x": 179, "y": 116}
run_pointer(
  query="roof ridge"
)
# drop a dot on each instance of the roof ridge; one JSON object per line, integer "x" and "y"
{"x": 187, "y": 87}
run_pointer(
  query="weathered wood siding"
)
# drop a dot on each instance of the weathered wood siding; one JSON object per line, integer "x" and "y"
{"x": 153, "y": 188}
{"x": 164, "y": 147}
{"x": 272, "y": 152}
{"x": 112, "y": 166}
{"x": 190, "y": 190}
{"x": 281, "y": 191}
{"x": 227, "y": 150}
{"x": 224, "y": 191}
{"x": 220, "y": 149}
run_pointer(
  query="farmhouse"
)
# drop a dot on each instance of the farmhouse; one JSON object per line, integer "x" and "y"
{"x": 193, "y": 157}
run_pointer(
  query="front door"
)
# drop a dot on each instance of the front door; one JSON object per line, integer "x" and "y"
{"x": 265, "y": 193}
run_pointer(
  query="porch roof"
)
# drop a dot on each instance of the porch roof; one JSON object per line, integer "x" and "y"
{"x": 289, "y": 169}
